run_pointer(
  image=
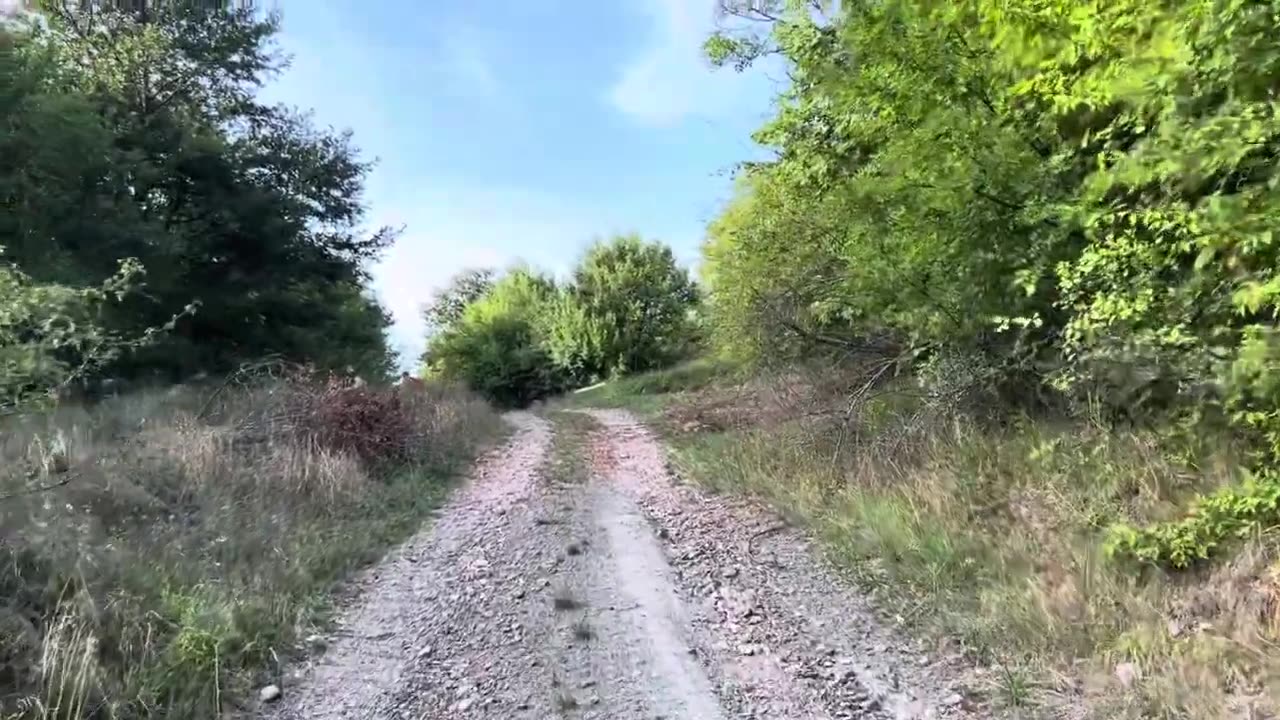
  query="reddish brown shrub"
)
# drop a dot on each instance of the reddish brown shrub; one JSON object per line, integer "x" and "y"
{"x": 378, "y": 425}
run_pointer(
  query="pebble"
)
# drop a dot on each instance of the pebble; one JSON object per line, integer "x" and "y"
{"x": 1127, "y": 674}
{"x": 270, "y": 693}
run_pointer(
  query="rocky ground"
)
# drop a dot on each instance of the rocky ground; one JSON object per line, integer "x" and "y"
{"x": 622, "y": 595}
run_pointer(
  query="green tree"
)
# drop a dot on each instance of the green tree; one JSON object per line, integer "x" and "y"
{"x": 1085, "y": 193}
{"x": 447, "y": 305}
{"x": 133, "y": 131}
{"x": 496, "y": 346}
{"x": 633, "y": 308}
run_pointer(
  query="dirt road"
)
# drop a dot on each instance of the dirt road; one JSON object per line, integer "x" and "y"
{"x": 621, "y": 595}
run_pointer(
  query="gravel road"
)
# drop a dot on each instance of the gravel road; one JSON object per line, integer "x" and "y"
{"x": 627, "y": 596}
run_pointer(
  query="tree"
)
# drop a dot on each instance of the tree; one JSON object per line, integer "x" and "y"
{"x": 496, "y": 346}
{"x": 447, "y": 305}
{"x": 132, "y": 130}
{"x": 1082, "y": 193}
{"x": 520, "y": 337}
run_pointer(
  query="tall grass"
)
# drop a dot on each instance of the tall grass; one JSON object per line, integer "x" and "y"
{"x": 992, "y": 537}
{"x": 161, "y": 555}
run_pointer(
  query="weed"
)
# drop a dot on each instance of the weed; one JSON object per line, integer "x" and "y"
{"x": 188, "y": 549}
{"x": 564, "y": 600}
{"x": 1014, "y": 687}
{"x": 582, "y": 630}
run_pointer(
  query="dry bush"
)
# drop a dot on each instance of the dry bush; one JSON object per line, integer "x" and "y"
{"x": 158, "y": 552}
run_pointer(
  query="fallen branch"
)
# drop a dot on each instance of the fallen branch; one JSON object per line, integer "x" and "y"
{"x": 37, "y": 490}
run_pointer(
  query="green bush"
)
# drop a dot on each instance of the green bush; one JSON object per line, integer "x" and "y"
{"x": 1231, "y": 514}
{"x": 497, "y": 346}
{"x": 519, "y": 338}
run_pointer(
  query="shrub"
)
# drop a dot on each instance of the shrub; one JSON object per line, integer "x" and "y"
{"x": 497, "y": 347}
{"x": 377, "y": 425}
{"x": 1231, "y": 514}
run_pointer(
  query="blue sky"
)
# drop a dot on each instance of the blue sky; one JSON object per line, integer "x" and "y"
{"x": 513, "y": 130}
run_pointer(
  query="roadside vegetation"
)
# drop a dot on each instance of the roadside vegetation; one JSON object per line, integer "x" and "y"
{"x": 165, "y": 549}
{"x": 163, "y": 555}
{"x": 1003, "y": 304}
{"x": 993, "y": 538}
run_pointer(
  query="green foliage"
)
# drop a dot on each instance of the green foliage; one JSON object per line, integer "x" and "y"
{"x": 519, "y": 338}
{"x": 1084, "y": 194}
{"x": 1231, "y": 514}
{"x": 446, "y": 306}
{"x": 135, "y": 133}
{"x": 496, "y": 346}
{"x": 50, "y": 335}
{"x": 634, "y": 305}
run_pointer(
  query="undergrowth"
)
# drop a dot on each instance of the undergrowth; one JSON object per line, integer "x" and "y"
{"x": 1001, "y": 539}
{"x": 161, "y": 554}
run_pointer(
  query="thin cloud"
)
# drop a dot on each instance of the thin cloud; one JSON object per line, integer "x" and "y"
{"x": 466, "y": 62}
{"x": 671, "y": 80}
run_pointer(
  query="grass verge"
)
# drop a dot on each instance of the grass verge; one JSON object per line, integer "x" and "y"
{"x": 991, "y": 538}
{"x": 159, "y": 560}
{"x": 571, "y": 448}
{"x": 648, "y": 392}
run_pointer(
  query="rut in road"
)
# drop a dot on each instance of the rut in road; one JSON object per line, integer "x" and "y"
{"x": 623, "y": 596}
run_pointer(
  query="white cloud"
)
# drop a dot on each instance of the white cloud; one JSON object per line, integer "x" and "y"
{"x": 671, "y": 79}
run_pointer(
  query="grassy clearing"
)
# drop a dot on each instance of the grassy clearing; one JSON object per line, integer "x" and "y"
{"x": 160, "y": 565}
{"x": 992, "y": 537}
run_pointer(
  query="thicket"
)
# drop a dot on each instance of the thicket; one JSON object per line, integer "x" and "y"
{"x": 1070, "y": 206}
{"x": 627, "y": 307}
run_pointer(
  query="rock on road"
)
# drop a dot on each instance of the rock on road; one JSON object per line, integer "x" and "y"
{"x": 627, "y": 597}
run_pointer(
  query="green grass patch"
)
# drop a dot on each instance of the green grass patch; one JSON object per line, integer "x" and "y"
{"x": 647, "y": 393}
{"x": 570, "y": 461}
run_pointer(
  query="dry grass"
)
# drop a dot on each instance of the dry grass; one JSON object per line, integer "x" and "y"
{"x": 987, "y": 535}
{"x": 571, "y": 449}
{"x": 161, "y": 556}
